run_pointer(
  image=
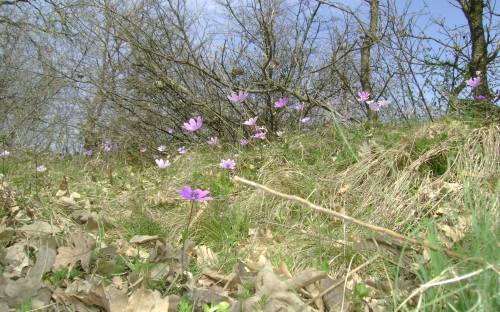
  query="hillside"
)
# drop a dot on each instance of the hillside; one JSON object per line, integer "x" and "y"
{"x": 106, "y": 231}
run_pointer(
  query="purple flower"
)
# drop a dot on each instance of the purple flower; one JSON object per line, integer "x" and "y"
{"x": 237, "y": 97}
{"x": 228, "y": 164}
{"x": 170, "y": 130}
{"x": 88, "y": 152}
{"x": 213, "y": 141}
{"x": 474, "y": 82}
{"x": 244, "y": 142}
{"x": 194, "y": 195}
{"x": 162, "y": 164}
{"x": 281, "y": 102}
{"x": 251, "y": 121}
{"x": 481, "y": 98}
{"x": 182, "y": 150}
{"x": 162, "y": 148}
{"x": 142, "y": 150}
{"x": 107, "y": 146}
{"x": 41, "y": 168}
{"x": 305, "y": 120}
{"x": 363, "y": 96}
{"x": 4, "y": 153}
{"x": 299, "y": 106}
{"x": 193, "y": 124}
{"x": 260, "y": 135}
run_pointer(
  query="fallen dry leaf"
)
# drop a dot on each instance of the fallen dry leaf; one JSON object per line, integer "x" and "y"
{"x": 15, "y": 292}
{"x": 67, "y": 202}
{"x": 15, "y": 260}
{"x": 83, "y": 294}
{"x": 147, "y": 300}
{"x": 333, "y": 299}
{"x": 39, "y": 227}
{"x": 80, "y": 250}
{"x": 159, "y": 271}
{"x": 45, "y": 257}
{"x": 75, "y": 195}
{"x": 141, "y": 239}
{"x": 61, "y": 193}
{"x": 6, "y": 233}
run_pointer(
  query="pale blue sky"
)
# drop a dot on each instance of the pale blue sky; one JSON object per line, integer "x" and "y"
{"x": 429, "y": 10}
{"x": 436, "y": 8}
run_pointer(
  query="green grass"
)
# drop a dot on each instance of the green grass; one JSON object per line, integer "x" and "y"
{"x": 143, "y": 225}
{"x": 59, "y": 277}
{"x": 390, "y": 175}
{"x": 480, "y": 251}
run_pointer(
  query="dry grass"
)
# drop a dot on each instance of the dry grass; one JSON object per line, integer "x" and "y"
{"x": 396, "y": 185}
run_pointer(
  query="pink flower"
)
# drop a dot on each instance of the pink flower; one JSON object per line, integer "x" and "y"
{"x": 376, "y": 106}
{"x": 474, "y": 82}
{"x": 88, "y": 152}
{"x": 162, "y": 164}
{"x": 142, "y": 150}
{"x": 363, "y": 96}
{"x": 237, "y": 97}
{"x": 244, "y": 142}
{"x": 281, "y": 102}
{"x": 162, "y": 148}
{"x": 481, "y": 98}
{"x": 41, "y": 168}
{"x": 170, "y": 130}
{"x": 194, "y": 195}
{"x": 299, "y": 106}
{"x": 261, "y": 135}
{"x": 251, "y": 122}
{"x": 228, "y": 164}
{"x": 193, "y": 124}
{"x": 305, "y": 120}
{"x": 213, "y": 141}
{"x": 182, "y": 150}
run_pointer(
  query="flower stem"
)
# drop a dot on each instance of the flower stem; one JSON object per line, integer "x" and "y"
{"x": 36, "y": 176}
{"x": 4, "y": 173}
{"x": 185, "y": 235}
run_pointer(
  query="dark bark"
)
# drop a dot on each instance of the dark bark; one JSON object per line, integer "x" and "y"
{"x": 368, "y": 40}
{"x": 473, "y": 11}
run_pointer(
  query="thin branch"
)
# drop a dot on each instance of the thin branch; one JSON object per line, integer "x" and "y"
{"x": 344, "y": 217}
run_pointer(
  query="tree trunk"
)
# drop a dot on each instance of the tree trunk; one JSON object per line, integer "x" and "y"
{"x": 369, "y": 37}
{"x": 473, "y": 11}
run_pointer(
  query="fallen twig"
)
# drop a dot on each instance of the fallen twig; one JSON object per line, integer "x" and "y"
{"x": 438, "y": 281}
{"x": 338, "y": 215}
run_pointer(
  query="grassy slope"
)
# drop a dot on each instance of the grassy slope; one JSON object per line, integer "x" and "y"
{"x": 415, "y": 179}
